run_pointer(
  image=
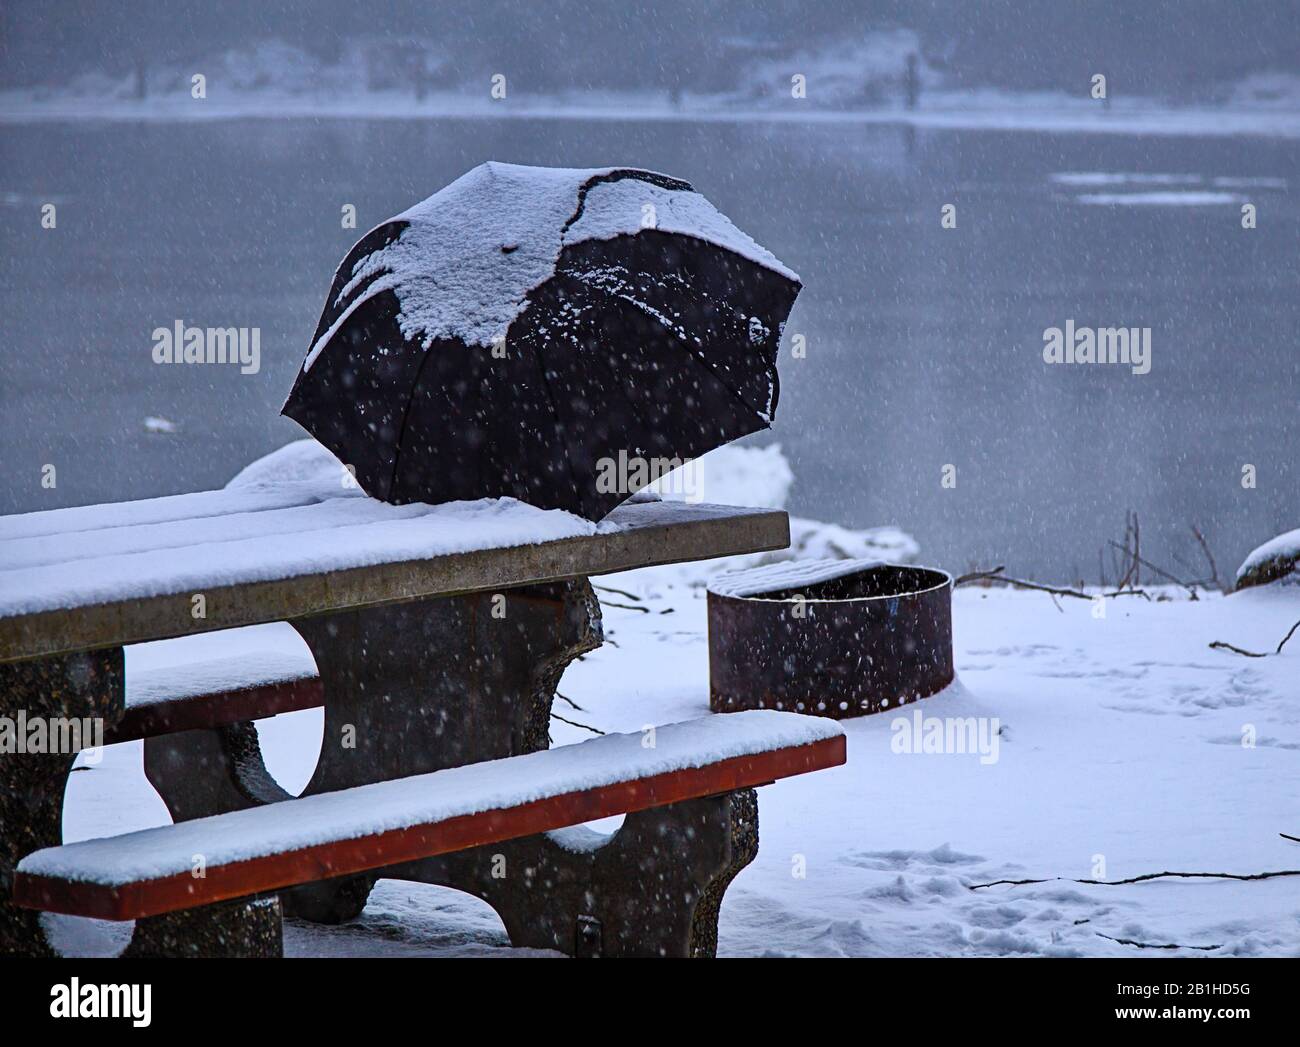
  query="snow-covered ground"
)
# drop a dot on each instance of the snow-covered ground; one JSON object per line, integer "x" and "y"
{"x": 1121, "y": 753}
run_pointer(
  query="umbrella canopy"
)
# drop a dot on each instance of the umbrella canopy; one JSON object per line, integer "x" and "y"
{"x": 522, "y": 329}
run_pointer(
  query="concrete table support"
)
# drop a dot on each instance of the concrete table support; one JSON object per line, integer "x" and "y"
{"x": 82, "y": 687}
{"x": 420, "y": 686}
{"x": 88, "y": 687}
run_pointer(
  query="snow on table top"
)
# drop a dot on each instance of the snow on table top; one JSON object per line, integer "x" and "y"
{"x": 133, "y": 550}
{"x": 792, "y": 574}
{"x": 424, "y": 799}
{"x": 472, "y": 252}
{"x": 300, "y": 532}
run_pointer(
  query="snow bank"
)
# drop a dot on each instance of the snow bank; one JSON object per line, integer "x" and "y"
{"x": 1278, "y": 559}
{"x": 762, "y": 477}
{"x": 470, "y": 254}
{"x": 732, "y": 475}
{"x": 303, "y": 461}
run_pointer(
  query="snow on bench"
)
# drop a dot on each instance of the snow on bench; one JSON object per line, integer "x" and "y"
{"x": 75, "y": 579}
{"x": 213, "y": 679}
{"x": 333, "y": 834}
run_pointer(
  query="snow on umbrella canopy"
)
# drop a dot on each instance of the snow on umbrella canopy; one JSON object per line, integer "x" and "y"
{"x": 525, "y": 328}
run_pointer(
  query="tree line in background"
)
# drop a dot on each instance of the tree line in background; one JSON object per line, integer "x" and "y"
{"x": 1153, "y": 47}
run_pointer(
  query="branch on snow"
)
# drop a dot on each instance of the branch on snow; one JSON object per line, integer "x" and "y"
{"x": 1219, "y": 645}
{"x": 574, "y": 723}
{"x": 996, "y": 575}
{"x": 1143, "y": 878}
{"x": 1153, "y": 945}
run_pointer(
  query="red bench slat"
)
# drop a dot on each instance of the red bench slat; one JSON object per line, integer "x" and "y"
{"x": 216, "y": 709}
{"x": 289, "y": 867}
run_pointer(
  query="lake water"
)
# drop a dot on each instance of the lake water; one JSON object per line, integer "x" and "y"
{"x": 924, "y": 344}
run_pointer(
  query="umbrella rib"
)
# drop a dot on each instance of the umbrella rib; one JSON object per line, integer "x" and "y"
{"x": 699, "y": 355}
{"x": 401, "y": 433}
{"x": 555, "y": 413}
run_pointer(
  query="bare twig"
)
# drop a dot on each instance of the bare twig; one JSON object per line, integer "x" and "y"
{"x": 1152, "y": 945}
{"x": 625, "y": 606}
{"x": 1143, "y": 878}
{"x": 1137, "y": 549}
{"x": 621, "y": 592}
{"x": 1129, "y": 563}
{"x": 574, "y": 723}
{"x": 1159, "y": 570}
{"x": 1205, "y": 548}
{"x": 996, "y": 575}
{"x": 1220, "y": 645}
{"x": 1294, "y": 839}
{"x": 566, "y": 698}
{"x": 1290, "y": 633}
{"x": 977, "y": 576}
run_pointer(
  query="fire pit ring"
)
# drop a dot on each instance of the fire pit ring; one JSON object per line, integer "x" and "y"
{"x": 836, "y": 638}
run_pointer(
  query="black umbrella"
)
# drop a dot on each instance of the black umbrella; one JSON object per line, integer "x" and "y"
{"x": 524, "y": 329}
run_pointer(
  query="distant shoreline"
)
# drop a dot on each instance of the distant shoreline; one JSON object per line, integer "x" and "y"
{"x": 1011, "y": 113}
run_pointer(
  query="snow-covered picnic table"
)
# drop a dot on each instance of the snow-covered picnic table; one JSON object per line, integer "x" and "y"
{"x": 439, "y": 634}
{"x": 74, "y": 579}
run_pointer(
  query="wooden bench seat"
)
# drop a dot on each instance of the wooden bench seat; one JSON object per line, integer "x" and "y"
{"x": 268, "y": 848}
{"x": 264, "y": 671}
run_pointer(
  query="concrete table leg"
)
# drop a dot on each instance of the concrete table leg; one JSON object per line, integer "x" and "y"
{"x": 653, "y": 888}
{"x": 416, "y": 687}
{"x": 85, "y": 687}
{"x": 89, "y": 687}
{"x": 246, "y": 928}
{"x": 409, "y": 688}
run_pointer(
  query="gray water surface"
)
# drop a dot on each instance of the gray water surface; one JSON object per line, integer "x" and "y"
{"x": 924, "y": 343}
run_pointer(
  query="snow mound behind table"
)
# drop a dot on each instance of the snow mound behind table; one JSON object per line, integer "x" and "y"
{"x": 761, "y": 477}
{"x": 303, "y": 461}
{"x": 1276, "y": 560}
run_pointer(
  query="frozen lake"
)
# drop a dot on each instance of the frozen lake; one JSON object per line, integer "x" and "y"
{"x": 924, "y": 344}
